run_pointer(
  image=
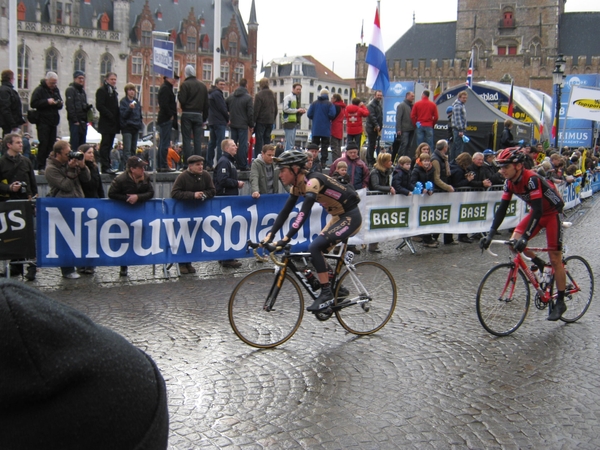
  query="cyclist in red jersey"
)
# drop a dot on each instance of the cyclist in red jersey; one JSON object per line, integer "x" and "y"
{"x": 339, "y": 200}
{"x": 546, "y": 208}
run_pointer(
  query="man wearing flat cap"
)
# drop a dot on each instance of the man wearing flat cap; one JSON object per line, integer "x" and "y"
{"x": 132, "y": 186}
{"x": 193, "y": 184}
{"x": 77, "y": 109}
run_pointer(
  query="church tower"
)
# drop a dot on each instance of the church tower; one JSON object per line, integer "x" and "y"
{"x": 253, "y": 36}
{"x": 508, "y": 36}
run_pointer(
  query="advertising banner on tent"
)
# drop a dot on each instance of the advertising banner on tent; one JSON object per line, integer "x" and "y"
{"x": 584, "y": 103}
{"x": 392, "y": 98}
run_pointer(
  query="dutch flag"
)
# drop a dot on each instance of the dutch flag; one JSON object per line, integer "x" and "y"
{"x": 377, "y": 74}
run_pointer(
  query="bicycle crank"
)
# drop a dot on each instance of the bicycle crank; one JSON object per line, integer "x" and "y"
{"x": 539, "y": 304}
{"x": 324, "y": 314}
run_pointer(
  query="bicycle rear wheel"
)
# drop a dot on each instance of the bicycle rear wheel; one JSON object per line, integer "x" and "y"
{"x": 380, "y": 293}
{"x": 502, "y": 300}
{"x": 248, "y": 318}
{"x": 579, "y": 273}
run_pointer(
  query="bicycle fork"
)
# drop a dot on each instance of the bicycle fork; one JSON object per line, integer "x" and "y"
{"x": 275, "y": 288}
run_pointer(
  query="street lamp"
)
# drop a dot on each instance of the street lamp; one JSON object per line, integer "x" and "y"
{"x": 558, "y": 77}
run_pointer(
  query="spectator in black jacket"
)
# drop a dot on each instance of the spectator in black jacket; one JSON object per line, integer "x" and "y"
{"x": 423, "y": 172}
{"x": 227, "y": 183}
{"x": 77, "y": 109}
{"x": 193, "y": 98}
{"x": 17, "y": 182}
{"x": 167, "y": 120}
{"x": 490, "y": 168}
{"x": 480, "y": 179}
{"x": 11, "y": 109}
{"x": 47, "y": 101}
{"x": 107, "y": 104}
{"x": 218, "y": 118}
{"x": 265, "y": 115}
{"x": 241, "y": 116}
{"x": 506, "y": 138}
{"x": 92, "y": 188}
{"x": 460, "y": 177}
{"x": 132, "y": 186}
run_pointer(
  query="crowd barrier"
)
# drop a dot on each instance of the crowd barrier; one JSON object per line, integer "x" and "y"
{"x": 91, "y": 232}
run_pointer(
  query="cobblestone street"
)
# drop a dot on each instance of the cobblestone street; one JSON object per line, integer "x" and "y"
{"x": 432, "y": 378}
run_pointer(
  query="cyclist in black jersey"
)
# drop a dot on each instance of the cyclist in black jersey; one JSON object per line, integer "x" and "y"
{"x": 339, "y": 200}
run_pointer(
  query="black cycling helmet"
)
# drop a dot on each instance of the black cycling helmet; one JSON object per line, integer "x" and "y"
{"x": 510, "y": 155}
{"x": 291, "y": 158}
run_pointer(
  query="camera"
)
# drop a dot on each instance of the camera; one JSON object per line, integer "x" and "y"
{"x": 76, "y": 155}
{"x": 23, "y": 188}
{"x": 59, "y": 103}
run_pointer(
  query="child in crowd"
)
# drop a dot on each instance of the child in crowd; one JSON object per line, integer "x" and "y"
{"x": 401, "y": 178}
{"x": 341, "y": 173}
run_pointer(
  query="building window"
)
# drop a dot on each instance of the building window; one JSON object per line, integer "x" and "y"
{"x": 191, "y": 40}
{"x": 225, "y": 71}
{"x": 136, "y": 65}
{"x": 23, "y": 67}
{"x": 67, "y": 15}
{"x": 21, "y": 11}
{"x": 51, "y": 60}
{"x": 312, "y": 82}
{"x": 79, "y": 62}
{"x": 508, "y": 19}
{"x": 311, "y": 97}
{"x": 146, "y": 34}
{"x": 154, "y": 96}
{"x": 59, "y": 13}
{"x": 296, "y": 69}
{"x": 296, "y": 80}
{"x": 281, "y": 82}
{"x": 207, "y": 72}
{"x": 176, "y": 68}
{"x": 233, "y": 44}
{"x": 507, "y": 50}
{"x": 105, "y": 66}
{"x": 239, "y": 72}
{"x": 281, "y": 97}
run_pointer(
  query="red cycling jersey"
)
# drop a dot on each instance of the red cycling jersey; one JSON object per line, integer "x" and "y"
{"x": 530, "y": 187}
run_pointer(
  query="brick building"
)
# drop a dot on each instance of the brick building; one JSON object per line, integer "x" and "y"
{"x": 518, "y": 40}
{"x": 100, "y": 36}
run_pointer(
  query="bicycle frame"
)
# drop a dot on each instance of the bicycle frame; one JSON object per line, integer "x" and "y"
{"x": 288, "y": 263}
{"x": 545, "y": 295}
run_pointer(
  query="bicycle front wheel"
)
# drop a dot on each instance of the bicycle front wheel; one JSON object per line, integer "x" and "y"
{"x": 376, "y": 298}
{"x": 502, "y": 299}
{"x": 248, "y": 317}
{"x": 580, "y": 282}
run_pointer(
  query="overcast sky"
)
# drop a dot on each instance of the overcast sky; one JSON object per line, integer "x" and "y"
{"x": 330, "y": 29}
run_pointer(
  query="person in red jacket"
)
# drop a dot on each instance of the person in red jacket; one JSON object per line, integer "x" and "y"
{"x": 337, "y": 126}
{"x": 354, "y": 120}
{"x": 424, "y": 116}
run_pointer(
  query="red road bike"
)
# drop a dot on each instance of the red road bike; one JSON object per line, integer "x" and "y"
{"x": 504, "y": 294}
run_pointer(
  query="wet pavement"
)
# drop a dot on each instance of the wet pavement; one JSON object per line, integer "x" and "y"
{"x": 432, "y": 378}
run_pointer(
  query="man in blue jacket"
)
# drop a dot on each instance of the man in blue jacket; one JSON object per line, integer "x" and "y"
{"x": 322, "y": 112}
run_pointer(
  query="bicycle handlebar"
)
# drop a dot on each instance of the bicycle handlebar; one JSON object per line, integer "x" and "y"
{"x": 271, "y": 248}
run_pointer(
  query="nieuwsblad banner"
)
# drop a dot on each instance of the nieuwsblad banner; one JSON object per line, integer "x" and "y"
{"x": 84, "y": 232}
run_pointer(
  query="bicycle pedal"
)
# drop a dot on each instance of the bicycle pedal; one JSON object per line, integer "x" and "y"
{"x": 324, "y": 314}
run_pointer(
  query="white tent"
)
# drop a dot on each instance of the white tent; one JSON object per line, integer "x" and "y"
{"x": 92, "y": 137}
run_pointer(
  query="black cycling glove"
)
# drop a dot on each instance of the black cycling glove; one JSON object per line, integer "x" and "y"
{"x": 521, "y": 244}
{"x": 485, "y": 242}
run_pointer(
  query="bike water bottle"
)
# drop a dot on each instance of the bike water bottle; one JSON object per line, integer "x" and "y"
{"x": 312, "y": 280}
{"x": 547, "y": 274}
{"x": 539, "y": 275}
